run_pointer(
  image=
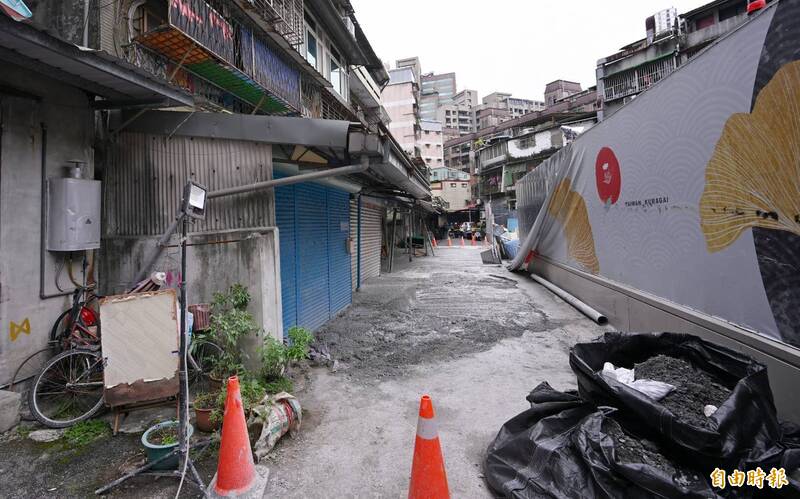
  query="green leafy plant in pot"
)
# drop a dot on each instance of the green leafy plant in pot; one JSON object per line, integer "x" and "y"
{"x": 160, "y": 440}
{"x": 230, "y": 321}
{"x": 252, "y": 392}
{"x": 204, "y": 406}
{"x": 277, "y": 356}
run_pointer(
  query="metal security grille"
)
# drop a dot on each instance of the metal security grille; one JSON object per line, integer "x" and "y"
{"x": 637, "y": 79}
{"x": 371, "y": 240}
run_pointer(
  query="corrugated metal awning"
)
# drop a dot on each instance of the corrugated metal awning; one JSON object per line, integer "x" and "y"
{"x": 96, "y": 72}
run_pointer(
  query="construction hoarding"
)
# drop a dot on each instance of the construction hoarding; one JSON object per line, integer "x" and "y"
{"x": 691, "y": 193}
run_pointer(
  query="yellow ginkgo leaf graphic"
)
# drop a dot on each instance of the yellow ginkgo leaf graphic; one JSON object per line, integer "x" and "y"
{"x": 753, "y": 178}
{"x": 569, "y": 208}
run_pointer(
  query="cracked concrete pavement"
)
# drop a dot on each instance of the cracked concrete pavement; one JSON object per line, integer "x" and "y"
{"x": 476, "y": 337}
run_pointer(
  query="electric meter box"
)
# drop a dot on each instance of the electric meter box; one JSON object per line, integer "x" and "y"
{"x": 73, "y": 214}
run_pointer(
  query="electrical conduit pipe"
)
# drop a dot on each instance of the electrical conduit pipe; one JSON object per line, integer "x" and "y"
{"x": 583, "y": 307}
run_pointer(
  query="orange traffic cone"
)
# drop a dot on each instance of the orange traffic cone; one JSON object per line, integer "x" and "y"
{"x": 435, "y": 244}
{"x": 462, "y": 241}
{"x": 449, "y": 242}
{"x": 236, "y": 473}
{"x": 428, "y": 476}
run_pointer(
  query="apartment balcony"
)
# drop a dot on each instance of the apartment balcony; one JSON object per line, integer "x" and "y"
{"x": 637, "y": 79}
{"x": 713, "y": 32}
{"x": 284, "y": 16}
{"x": 228, "y": 55}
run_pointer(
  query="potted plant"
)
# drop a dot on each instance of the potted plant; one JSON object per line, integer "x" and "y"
{"x": 230, "y": 322}
{"x": 277, "y": 356}
{"x": 252, "y": 392}
{"x": 161, "y": 439}
{"x": 204, "y": 405}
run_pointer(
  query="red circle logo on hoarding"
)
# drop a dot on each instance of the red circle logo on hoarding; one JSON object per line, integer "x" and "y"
{"x": 609, "y": 176}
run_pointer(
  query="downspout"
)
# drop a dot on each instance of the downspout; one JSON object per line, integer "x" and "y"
{"x": 86, "y": 22}
{"x": 358, "y": 246}
{"x": 42, "y": 220}
{"x": 258, "y": 186}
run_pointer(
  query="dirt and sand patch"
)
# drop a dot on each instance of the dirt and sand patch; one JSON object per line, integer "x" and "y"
{"x": 407, "y": 320}
{"x": 694, "y": 388}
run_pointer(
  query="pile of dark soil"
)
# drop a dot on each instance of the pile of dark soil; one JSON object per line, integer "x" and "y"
{"x": 631, "y": 450}
{"x": 694, "y": 389}
{"x": 167, "y": 435}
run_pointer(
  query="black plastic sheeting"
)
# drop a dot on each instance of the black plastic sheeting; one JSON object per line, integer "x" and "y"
{"x": 558, "y": 448}
{"x": 747, "y": 426}
{"x": 561, "y": 447}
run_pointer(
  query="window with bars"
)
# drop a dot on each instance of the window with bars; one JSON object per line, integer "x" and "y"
{"x": 637, "y": 79}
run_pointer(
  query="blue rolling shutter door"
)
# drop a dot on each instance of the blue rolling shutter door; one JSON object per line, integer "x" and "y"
{"x": 341, "y": 291}
{"x": 313, "y": 301}
{"x": 315, "y": 267}
{"x": 284, "y": 219}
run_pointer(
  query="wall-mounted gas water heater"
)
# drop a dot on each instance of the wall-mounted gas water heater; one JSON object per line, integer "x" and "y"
{"x": 73, "y": 211}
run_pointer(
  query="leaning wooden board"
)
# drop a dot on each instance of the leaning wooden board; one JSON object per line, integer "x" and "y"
{"x": 139, "y": 337}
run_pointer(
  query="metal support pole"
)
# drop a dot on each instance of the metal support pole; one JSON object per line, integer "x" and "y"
{"x": 409, "y": 233}
{"x": 358, "y": 245}
{"x": 183, "y": 416}
{"x": 393, "y": 237}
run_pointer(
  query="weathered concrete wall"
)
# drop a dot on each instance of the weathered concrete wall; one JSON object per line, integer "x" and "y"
{"x": 26, "y": 319}
{"x": 214, "y": 262}
{"x": 67, "y": 19}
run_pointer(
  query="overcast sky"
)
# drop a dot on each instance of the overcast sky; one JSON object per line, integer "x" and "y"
{"x": 514, "y": 46}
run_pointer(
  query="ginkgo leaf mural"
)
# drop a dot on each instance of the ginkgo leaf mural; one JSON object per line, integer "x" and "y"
{"x": 753, "y": 178}
{"x": 569, "y": 208}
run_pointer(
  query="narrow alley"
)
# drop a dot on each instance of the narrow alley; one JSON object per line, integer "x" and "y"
{"x": 439, "y": 326}
{"x": 340, "y": 249}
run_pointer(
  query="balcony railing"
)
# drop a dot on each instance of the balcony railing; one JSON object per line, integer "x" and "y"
{"x": 285, "y": 16}
{"x": 638, "y": 79}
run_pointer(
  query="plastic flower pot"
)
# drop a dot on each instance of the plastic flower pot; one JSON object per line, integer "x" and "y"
{"x": 155, "y": 451}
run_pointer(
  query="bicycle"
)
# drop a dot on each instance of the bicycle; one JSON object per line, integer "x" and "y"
{"x": 69, "y": 388}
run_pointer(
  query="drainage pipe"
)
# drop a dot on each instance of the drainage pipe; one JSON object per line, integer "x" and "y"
{"x": 43, "y": 221}
{"x": 258, "y": 186}
{"x": 583, "y": 307}
{"x": 307, "y": 177}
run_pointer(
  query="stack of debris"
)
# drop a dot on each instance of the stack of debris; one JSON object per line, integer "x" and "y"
{"x": 683, "y": 414}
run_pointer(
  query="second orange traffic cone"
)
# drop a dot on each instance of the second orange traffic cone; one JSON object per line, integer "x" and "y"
{"x": 237, "y": 475}
{"x": 428, "y": 476}
{"x": 462, "y": 241}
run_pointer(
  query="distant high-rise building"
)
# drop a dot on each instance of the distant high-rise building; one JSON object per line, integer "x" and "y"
{"x": 431, "y": 143}
{"x": 400, "y": 98}
{"x": 415, "y": 66}
{"x": 437, "y": 91}
{"x": 499, "y": 107}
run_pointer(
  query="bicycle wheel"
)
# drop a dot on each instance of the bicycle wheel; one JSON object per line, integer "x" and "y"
{"x": 202, "y": 356}
{"x": 60, "y": 331}
{"x": 69, "y": 389}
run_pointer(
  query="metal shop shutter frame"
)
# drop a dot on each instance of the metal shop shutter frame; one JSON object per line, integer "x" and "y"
{"x": 371, "y": 240}
{"x": 354, "y": 239}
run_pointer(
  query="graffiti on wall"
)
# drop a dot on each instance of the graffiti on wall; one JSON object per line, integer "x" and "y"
{"x": 15, "y": 330}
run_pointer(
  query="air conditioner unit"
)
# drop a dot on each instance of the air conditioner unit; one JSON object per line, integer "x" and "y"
{"x": 350, "y": 26}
